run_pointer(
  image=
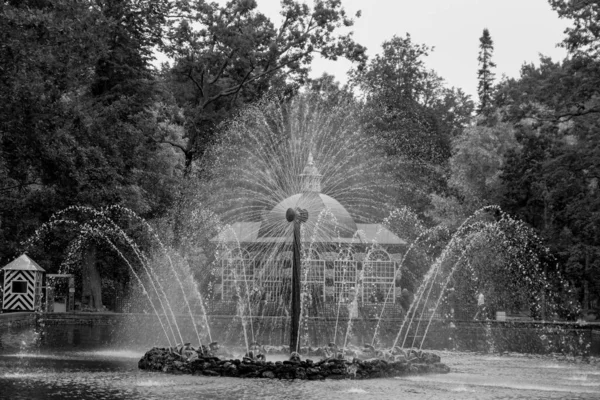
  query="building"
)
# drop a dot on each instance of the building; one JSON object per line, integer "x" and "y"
{"x": 341, "y": 259}
{"x": 22, "y": 285}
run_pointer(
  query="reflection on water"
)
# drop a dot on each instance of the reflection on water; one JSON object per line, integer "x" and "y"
{"x": 84, "y": 362}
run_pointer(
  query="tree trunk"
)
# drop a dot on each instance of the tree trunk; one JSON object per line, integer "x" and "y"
{"x": 91, "y": 295}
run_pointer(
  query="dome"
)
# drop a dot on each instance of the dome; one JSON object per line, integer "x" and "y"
{"x": 327, "y": 218}
{"x": 311, "y": 178}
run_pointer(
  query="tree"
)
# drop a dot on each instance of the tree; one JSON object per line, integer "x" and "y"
{"x": 583, "y": 38}
{"x": 411, "y": 116}
{"x": 485, "y": 75}
{"x": 477, "y": 162}
{"x": 231, "y": 54}
{"x": 551, "y": 184}
{"x": 79, "y": 105}
{"x": 551, "y": 179}
{"x": 399, "y": 72}
{"x": 132, "y": 30}
{"x": 579, "y": 78}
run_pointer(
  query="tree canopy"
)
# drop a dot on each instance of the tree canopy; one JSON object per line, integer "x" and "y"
{"x": 89, "y": 120}
{"x": 227, "y": 55}
{"x": 485, "y": 74}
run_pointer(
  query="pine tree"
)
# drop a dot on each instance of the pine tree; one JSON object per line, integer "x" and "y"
{"x": 485, "y": 87}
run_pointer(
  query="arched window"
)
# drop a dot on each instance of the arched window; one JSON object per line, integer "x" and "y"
{"x": 379, "y": 277}
{"x": 377, "y": 254}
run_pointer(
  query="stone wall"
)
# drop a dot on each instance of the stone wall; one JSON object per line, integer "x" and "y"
{"x": 200, "y": 362}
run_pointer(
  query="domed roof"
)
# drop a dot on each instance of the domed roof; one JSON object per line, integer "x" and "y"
{"x": 327, "y": 218}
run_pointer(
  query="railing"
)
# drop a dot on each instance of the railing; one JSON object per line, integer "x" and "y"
{"x": 335, "y": 281}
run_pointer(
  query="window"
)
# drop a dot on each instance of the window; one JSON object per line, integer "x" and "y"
{"x": 19, "y": 287}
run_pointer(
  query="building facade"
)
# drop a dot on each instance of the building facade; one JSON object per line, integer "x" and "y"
{"x": 342, "y": 260}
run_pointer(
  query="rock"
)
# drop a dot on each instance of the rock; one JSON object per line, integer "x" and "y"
{"x": 206, "y": 365}
{"x": 367, "y": 348}
{"x": 164, "y": 360}
{"x": 430, "y": 358}
{"x": 440, "y": 368}
{"x": 401, "y": 366}
{"x": 268, "y": 374}
{"x": 187, "y": 353}
{"x": 352, "y": 370}
{"x": 209, "y": 372}
{"x": 413, "y": 354}
{"x": 300, "y": 373}
{"x": 246, "y": 368}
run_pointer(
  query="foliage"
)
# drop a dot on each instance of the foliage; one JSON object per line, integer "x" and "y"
{"x": 228, "y": 55}
{"x": 551, "y": 180}
{"x": 87, "y": 120}
{"x": 77, "y": 110}
{"x": 584, "y": 36}
{"x": 411, "y": 116}
{"x": 478, "y": 158}
{"x": 485, "y": 75}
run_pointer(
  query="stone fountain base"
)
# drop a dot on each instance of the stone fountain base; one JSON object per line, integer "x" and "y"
{"x": 195, "y": 363}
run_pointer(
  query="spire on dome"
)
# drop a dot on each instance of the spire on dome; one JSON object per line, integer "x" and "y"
{"x": 311, "y": 178}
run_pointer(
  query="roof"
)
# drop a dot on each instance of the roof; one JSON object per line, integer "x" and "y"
{"x": 328, "y": 220}
{"x": 247, "y": 232}
{"x": 23, "y": 263}
{"x": 243, "y": 232}
{"x": 377, "y": 233}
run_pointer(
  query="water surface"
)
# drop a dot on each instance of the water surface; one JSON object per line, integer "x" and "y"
{"x": 84, "y": 362}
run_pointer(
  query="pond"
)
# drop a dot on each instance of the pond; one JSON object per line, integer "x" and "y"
{"x": 93, "y": 362}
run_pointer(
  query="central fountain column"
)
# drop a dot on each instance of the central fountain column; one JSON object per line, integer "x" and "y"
{"x": 296, "y": 216}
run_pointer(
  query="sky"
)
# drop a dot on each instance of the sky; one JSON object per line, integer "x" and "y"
{"x": 521, "y": 31}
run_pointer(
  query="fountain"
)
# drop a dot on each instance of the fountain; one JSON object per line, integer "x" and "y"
{"x": 377, "y": 290}
{"x": 370, "y": 280}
